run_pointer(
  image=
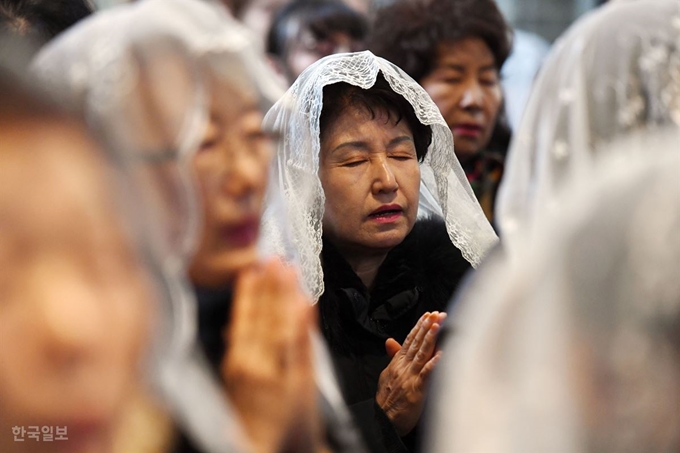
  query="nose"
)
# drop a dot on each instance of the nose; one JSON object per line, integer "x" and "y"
{"x": 473, "y": 96}
{"x": 243, "y": 176}
{"x": 384, "y": 180}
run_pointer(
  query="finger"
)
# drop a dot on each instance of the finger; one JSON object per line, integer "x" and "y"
{"x": 413, "y": 333}
{"x": 426, "y": 372}
{"x": 442, "y": 318}
{"x": 392, "y": 346}
{"x": 426, "y": 350}
{"x": 420, "y": 336}
{"x": 242, "y": 306}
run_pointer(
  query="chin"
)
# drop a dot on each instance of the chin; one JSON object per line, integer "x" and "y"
{"x": 221, "y": 269}
{"x": 387, "y": 240}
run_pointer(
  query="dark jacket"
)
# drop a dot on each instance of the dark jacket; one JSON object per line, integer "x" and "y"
{"x": 417, "y": 276}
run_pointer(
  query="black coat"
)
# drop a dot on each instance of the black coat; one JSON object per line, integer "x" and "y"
{"x": 417, "y": 276}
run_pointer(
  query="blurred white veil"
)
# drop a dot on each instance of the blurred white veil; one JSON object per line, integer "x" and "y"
{"x": 574, "y": 347}
{"x": 614, "y": 72}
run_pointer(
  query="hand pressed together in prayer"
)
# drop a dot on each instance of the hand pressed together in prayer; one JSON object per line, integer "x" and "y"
{"x": 268, "y": 368}
{"x": 402, "y": 385}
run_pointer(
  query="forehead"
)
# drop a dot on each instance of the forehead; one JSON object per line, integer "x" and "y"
{"x": 52, "y": 180}
{"x": 231, "y": 100}
{"x": 465, "y": 51}
{"x": 357, "y": 119}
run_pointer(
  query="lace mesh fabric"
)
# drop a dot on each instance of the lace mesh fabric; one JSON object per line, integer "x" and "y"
{"x": 574, "y": 347}
{"x": 615, "y": 72}
{"x": 294, "y": 177}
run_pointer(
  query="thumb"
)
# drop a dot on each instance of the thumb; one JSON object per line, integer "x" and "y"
{"x": 392, "y": 346}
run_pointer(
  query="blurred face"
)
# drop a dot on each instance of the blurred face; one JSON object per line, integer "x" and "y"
{"x": 73, "y": 296}
{"x": 465, "y": 86}
{"x": 370, "y": 176}
{"x": 231, "y": 166}
{"x": 307, "y": 49}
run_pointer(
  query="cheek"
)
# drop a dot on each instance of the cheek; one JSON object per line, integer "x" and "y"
{"x": 494, "y": 99}
{"x": 410, "y": 185}
{"x": 444, "y": 95}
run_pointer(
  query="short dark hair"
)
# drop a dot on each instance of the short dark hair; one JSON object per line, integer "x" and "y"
{"x": 321, "y": 17}
{"x": 41, "y": 19}
{"x": 379, "y": 98}
{"x": 408, "y": 32}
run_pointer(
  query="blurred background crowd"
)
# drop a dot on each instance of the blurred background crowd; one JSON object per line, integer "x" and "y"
{"x": 381, "y": 226}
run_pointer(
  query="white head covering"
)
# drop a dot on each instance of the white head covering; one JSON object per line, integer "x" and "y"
{"x": 575, "y": 346}
{"x": 614, "y": 72}
{"x": 445, "y": 190}
{"x": 141, "y": 75}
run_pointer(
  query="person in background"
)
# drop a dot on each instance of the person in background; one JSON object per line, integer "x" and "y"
{"x": 308, "y": 30}
{"x": 455, "y": 49}
{"x": 41, "y": 20}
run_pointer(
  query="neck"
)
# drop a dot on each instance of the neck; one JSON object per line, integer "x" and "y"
{"x": 365, "y": 264}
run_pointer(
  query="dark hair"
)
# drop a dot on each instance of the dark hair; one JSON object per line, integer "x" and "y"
{"x": 321, "y": 17}
{"x": 408, "y": 32}
{"x": 41, "y": 19}
{"x": 380, "y": 97}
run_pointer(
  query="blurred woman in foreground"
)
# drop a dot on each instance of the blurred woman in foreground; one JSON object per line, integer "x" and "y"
{"x": 77, "y": 299}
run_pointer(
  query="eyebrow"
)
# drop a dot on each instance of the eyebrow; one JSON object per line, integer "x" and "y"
{"x": 362, "y": 145}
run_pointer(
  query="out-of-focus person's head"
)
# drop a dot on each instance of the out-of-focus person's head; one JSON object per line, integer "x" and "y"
{"x": 231, "y": 166}
{"x": 600, "y": 82}
{"x": 578, "y": 335}
{"x": 308, "y": 30}
{"x": 74, "y": 295}
{"x": 455, "y": 50}
{"x": 41, "y": 20}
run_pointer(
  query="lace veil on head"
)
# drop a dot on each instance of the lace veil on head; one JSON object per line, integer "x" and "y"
{"x": 615, "y": 72}
{"x": 575, "y": 346}
{"x": 445, "y": 190}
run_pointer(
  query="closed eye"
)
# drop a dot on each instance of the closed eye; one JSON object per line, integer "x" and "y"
{"x": 353, "y": 164}
{"x": 402, "y": 157}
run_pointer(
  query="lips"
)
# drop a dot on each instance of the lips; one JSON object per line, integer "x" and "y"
{"x": 243, "y": 233}
{"x": 387, "y": 213}
{"x": 471, "y": 130}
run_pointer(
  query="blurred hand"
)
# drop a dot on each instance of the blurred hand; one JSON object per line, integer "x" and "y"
{"x": 268, "y": 368}
{"x": 402, "y": 385}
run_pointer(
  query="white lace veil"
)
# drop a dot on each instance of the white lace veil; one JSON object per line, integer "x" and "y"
{"x": 575, "y": 346}
{"x": 445, "y": 190}
{"x": 616, "y": 71}
{"x": 142, "y": 74}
